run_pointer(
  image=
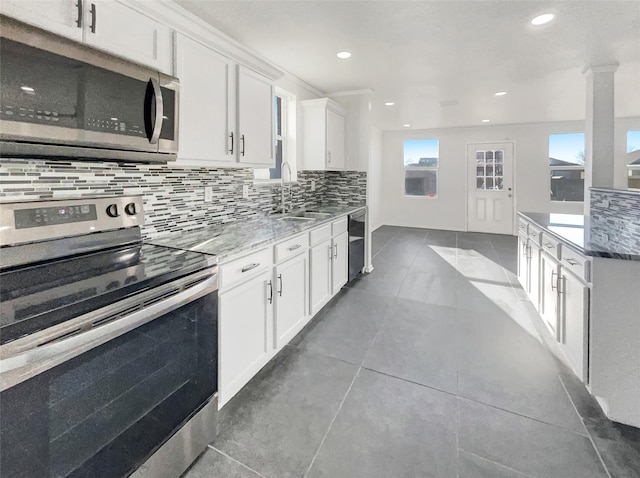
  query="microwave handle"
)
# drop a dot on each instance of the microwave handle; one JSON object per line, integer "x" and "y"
{"x": 157, "y": 127}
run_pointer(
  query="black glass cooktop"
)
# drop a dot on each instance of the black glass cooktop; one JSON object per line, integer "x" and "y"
{"x": 40, "y": 296}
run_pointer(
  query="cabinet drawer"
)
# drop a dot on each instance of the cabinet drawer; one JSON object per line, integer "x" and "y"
{"x": 523, "y": 226}
{"x": 550, "y": 245}
{"x": 245, "y": 267}
{"x": 576, "y": 263}
{"x": 339, "y": 226}
{"x": 291, "y": 247}
{"x": 534, "y": 233}
{"x": 320, "y": 234}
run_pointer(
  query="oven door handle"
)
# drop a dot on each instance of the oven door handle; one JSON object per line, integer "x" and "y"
{"x": 31, "y": 362}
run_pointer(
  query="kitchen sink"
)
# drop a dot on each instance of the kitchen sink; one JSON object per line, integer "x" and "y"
{"x": 294, "y": 218}
{"x": 311, "y": 215}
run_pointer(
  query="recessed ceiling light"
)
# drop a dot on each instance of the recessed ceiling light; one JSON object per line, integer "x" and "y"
{"x": 27, "y": 89}
{"x": 500, "y": 93}
{"x": 389, "y": 103}
{"x": 485, "y": 120}
{"x": 542, "y": 19}
{"x": 406, "y": 125}
{"x": 343, "y": 55}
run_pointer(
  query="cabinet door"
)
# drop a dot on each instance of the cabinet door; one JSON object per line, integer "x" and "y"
{"x": 549, "y": 293}
{"x": 245, "y": 329}
{"x": 335, "y": 141}
{"x": 320, "y": 275}
{"x": 523, "y": 263}
{"x": 205, "y": 133}
{"x": 340, "y": 261}
{"x": 575, "y": 296}
{"x": 119, "y": 29}
{"x": 63, "y": 17}
{"x": 292, "y": 278}
{"x": 255, "y": 118}
{"x": 534, "y": 275}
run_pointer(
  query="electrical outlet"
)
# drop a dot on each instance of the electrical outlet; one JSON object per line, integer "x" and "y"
{"x": 208, "y": 194}
{"x": 245, "y": 191}
{"x": 313, "y": 185}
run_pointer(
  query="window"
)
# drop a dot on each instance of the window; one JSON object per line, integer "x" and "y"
{"x": 421, "y": 167}
{"x": 566, "y": 163}
{"x": 633, "y": 159}
{"x": 490, "y": 170}
{"x": 283, "y": 120}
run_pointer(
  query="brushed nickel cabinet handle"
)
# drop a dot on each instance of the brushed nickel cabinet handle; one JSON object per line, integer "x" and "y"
{"x": 231, "y": 136}
{"x": 250, "y": 266}
{"x": 270, "y": 298}
{"x": 79, "y": 19}
{"x": 571, "y": 262}
{"x": 293, "y": 248}
{"x": 280, "y": 281}
{"x": 94, "y": 20}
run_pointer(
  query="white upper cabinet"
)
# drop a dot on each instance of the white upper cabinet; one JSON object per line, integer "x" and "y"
{"x": 64, "y": 17}
{"x": 104, "y": 24}
{"x": 323, "y": 135}
{"x": 255, "y": 118}
{"x": 205, "y": 129}
{"x": 117, "y": 28}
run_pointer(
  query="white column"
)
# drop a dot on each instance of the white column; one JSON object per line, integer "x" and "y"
{"x": 599, "y": 148}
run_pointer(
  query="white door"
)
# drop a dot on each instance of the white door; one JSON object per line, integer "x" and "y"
{"x": 255, "y": 118}
{"x": 335, "y": 141}
{"x": 58, "y": 16}
{"x": 244, "y": 345}
{"x": 292, "y": 278}
{"x": 490, "y": 188}
{"x": 320, "y": 276}
{"x": 123, "y": 31}
{"x": 340, "y": 267}
{"x": 205, "y": 133}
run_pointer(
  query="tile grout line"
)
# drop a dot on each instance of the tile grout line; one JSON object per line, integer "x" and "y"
{"x": 315, "y": 456}
{"x": 527, "y": 475}
{"x": 593, "y": 444}
{"x": 236, "y": 461}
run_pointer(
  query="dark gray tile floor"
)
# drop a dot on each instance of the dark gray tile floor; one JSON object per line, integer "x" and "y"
{"x": 434, "y": 365}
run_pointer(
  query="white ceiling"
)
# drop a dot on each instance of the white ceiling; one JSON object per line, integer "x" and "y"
{"x": 421, "y": 53}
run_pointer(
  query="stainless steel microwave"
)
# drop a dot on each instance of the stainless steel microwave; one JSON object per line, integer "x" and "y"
{"x": 59, "y": 98}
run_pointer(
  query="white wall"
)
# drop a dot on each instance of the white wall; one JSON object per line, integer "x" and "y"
{"x": 374, "y": 180}
{"x": 448, "y": 210}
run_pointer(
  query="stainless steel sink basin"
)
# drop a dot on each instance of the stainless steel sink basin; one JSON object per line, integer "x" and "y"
{"x": 294, "y": 218}
{"x": 311, "y": 215}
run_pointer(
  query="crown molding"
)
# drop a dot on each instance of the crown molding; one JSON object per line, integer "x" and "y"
{"x": 189, "y": 25}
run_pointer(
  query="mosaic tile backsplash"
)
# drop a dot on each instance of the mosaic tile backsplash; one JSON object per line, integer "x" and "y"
{"x": 615, "y": 219}
{"x": 174, "y": 195}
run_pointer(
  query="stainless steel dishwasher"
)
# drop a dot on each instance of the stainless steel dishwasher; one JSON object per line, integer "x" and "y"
{"x": 357, "y": 240}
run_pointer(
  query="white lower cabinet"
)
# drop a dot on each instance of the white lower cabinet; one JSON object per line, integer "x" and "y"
{"x": 291, "y": 311}
{"x": 340, "y": 261}
{"x": 320, "y": 256}
{"x": 534, "y": 274}
{"x": 523, "y": 261}
{"x": 245, "y": 337}
{"x": 549, "y": 293}
{"x": 574, "y": 297}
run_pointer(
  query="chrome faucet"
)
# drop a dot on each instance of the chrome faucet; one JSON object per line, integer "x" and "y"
{"x": 284, "y": 163}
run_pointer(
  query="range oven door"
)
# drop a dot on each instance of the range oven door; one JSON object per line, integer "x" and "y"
{"x": 63, "y": 95}
{"x": 101, "y": 401}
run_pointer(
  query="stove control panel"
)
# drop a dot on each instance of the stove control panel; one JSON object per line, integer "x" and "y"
{"x": 33, "y": 221}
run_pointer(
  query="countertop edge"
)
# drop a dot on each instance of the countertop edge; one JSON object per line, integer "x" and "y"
{"x": 579, "y": 249}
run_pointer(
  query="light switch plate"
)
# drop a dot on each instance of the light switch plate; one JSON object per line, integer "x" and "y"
{"x": 313, "y": 184}
{"x": 208, "y": 194}
{"x": 245, "y": 191}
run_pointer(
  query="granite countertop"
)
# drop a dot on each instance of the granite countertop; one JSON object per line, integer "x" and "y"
{"x": 573, "y": 230}
{"x": 227, "y": 241}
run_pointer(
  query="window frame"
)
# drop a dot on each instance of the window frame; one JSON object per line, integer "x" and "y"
{"x": 288, "y": 107}
{"x": 405, "y": 168}
{"x": 577, "y": 167}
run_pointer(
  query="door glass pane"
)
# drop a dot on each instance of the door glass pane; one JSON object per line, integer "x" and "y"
{"x": 499, "y": 156}
{"x": 479, "y": 183}
{"x": 499, "y": 184}
{"x": 480, "y": 156}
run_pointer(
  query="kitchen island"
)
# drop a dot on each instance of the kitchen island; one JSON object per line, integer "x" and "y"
{"x": 586, "y": 292}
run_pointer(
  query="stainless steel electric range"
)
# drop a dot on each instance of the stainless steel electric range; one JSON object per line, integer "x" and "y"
{"x": 108, "y": 345}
